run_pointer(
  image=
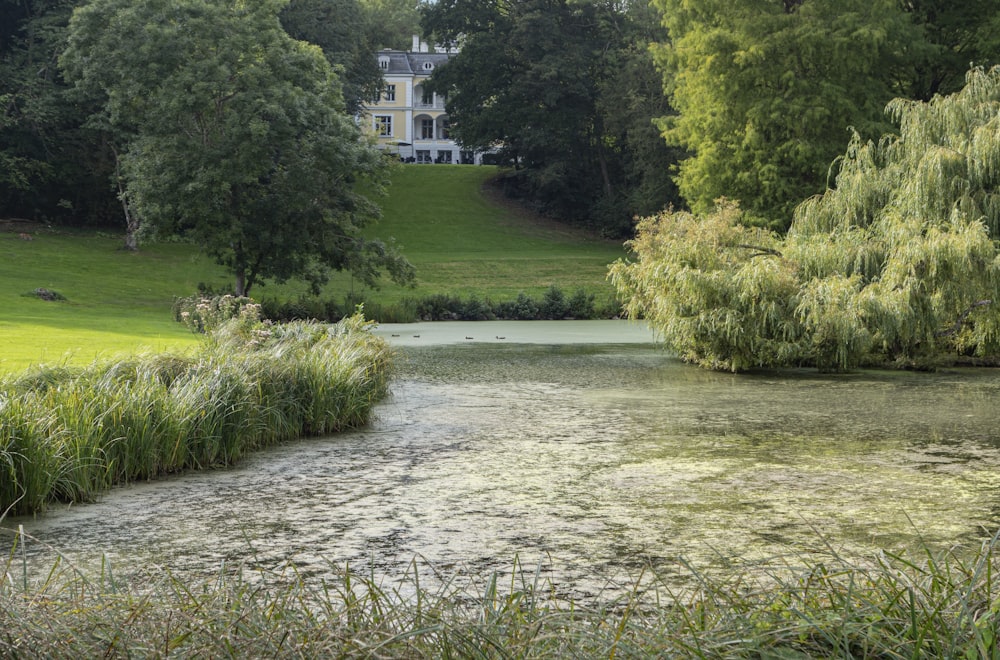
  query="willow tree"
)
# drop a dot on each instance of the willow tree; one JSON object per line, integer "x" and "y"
{"x": 896, "y": 264}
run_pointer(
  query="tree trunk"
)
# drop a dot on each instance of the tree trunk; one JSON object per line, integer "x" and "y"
{"x": 131, "y": 220}
{"x": 131, "y": 223}
{"x": 604, "y": 172}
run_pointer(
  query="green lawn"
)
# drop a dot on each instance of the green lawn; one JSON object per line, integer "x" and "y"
{"x": 461, "y": 241}
{"x": 465, "y": 242}
{"x": 116, "y": 302}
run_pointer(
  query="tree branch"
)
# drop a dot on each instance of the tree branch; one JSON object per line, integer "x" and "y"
{"x": 961, "y": 318}
{"x": 760, "y": 250}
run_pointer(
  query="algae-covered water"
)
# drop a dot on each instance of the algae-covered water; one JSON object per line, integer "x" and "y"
{"x": 584, "y": 449}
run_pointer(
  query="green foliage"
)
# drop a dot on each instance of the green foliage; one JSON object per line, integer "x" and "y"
{"x": 713, "y": 289}
{"x": 392, "y": 23}
{"x": 553, "y": 305}
{"x": 897, "y": 264}
{"x": 51, "y": 167}
{"x": 959, "y": 36}
{"x": 340, "y": 28}
{"x": 765, "y": 91}
{"x": 240, "y": 138}
{"x": 65, "y": 435}
{"x": 203, "y": 314}
{"x": 563, "y": 92}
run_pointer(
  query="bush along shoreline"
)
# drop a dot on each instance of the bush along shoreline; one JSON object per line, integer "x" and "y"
{"x": 553, "y": 304}
{"x": 68, "y": 434}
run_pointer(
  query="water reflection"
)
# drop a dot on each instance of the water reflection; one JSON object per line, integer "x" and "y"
{"x": 595, "y": 459}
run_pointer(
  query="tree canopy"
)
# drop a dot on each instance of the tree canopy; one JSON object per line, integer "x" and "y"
{"x": 50, "y": 167}
{"x": 898, "y": 263}
{"x": 392, "y": 23}
{"x": 765, "y": 92}
{"x": 238, "y": 137}
{"x": 562, "y": 91}
{"x": 340, "y": 28}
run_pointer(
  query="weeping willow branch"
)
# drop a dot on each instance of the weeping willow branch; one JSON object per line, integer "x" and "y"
{"x": 961, "y": 318}
{"x": 760, "y": 250}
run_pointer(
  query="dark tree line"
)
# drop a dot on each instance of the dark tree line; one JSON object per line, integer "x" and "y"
{"x": 563, "y": 92}
{"x": 604, "y": 110}
{"x": 751, "y": 100}
{"x": 58, "y": 165}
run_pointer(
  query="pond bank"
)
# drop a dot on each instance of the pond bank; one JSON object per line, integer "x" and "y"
{"x": 593, "y": 460}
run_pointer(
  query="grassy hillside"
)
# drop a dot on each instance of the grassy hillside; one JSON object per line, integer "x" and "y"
{"x": 461, "y": 241}
{"x": 464, "y": 240}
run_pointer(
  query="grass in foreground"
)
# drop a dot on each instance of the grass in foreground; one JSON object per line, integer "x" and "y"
{"x": 941, "y": 606}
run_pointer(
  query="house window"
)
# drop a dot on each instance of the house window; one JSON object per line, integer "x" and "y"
{"x": 428, "y": 66}
{"x": 445, "y": 130}
{"x": 383, "y": 63}
{"x": 423, "y": 155}
{"x": 383, "y": 125}
{"x": 427, "y": 129}
{"x": 390, "y": 92}
{"x": 427, "y": 97}
{"x": 444, "y": 156}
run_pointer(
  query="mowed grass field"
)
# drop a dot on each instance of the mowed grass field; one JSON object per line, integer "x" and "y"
{"x": 116, "y": 302}
{"x": 465, "y": 240}
{"x": 462, "y": 240}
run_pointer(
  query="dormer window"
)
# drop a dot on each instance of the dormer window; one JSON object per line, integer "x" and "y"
{"x": 383, "y": 62}
{"x": 428, "y": 66}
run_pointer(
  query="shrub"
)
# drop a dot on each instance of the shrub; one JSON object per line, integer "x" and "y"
{"x": 475, "y": 309}
{"x": 553, "y": 305}
{"x": 203, "y": 314}
{"x": 581, "y": 305}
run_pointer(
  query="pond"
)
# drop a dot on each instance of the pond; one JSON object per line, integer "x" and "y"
{"x": 581, "y": 447}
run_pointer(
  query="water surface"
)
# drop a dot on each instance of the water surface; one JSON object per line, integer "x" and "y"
{"x": 594, "y": 453}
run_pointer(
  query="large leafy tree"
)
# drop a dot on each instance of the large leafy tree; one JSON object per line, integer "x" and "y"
{"x": 240, "y": 137}
{"x": 342, "y": 30}
{"x": 957, "y": 35}
{"x": 898, "y": 263}
{"x": 392, "y": 23}
{"x": 558, "y": 89}
{"x": 766, "y": 90}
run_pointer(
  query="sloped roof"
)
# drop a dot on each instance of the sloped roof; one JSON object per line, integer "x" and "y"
{"x": 403, "y": 63}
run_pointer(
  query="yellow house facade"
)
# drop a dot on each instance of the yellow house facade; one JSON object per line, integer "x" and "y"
{"x": 408, "y": 120}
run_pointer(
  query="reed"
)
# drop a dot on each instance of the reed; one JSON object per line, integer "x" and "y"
{"x": 67, "y": 434}
{"x": 930, "y": 605}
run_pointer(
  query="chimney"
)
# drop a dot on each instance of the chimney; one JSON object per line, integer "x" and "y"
{"x": 423, "y": 46}
{"x": 415, "y": 48}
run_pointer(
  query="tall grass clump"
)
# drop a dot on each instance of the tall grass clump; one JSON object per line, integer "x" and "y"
{"x": 936, "y": 605}
{"x": 67, "y": 434}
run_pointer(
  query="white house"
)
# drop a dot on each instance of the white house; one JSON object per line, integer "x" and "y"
{"x": 409, "y": 120}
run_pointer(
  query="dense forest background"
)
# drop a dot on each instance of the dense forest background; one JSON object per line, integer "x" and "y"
{"x": 605, "y": 111}
{"x": 59, "y": 165}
